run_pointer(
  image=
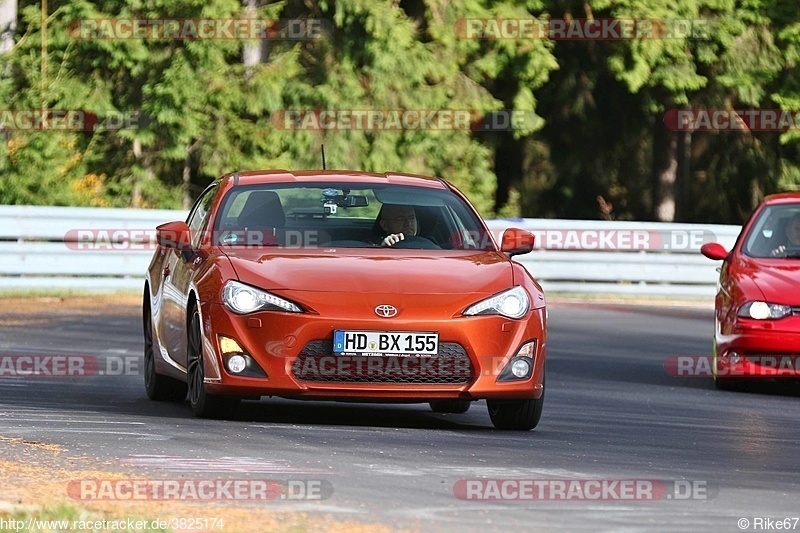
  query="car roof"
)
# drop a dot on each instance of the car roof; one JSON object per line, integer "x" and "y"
{"x": 256, "y": 177}
{"x": 782, "y": 198}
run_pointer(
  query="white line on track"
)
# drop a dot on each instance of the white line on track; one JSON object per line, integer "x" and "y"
{"x": 101, "y": 431}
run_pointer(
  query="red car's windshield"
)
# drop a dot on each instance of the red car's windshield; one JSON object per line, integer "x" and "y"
{"x": 775, "y": 233}
{"x": 347, "y": 215}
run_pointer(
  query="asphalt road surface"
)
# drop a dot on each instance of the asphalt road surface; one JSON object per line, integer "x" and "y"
{"x": 612, "y": 413}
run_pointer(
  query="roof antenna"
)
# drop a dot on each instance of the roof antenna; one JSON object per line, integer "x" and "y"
{"x": 323, "y": 156}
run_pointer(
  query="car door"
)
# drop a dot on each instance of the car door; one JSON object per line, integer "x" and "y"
{"x": 177, "y": 278}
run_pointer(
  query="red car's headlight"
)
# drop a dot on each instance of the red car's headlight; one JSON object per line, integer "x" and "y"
{"x": 513, "y": 303}
{"x": 243, "y": 299}
{"x": 764, "y": 311}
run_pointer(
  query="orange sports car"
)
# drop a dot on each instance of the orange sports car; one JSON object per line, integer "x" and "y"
{"x": 341, "y": 285}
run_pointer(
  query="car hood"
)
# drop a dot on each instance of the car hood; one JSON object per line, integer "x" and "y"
{"x": 778, "y": 279}
{"x": 384, "y": 271}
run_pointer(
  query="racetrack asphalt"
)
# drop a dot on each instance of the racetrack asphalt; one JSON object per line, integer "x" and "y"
{"x": 612, "y": 412}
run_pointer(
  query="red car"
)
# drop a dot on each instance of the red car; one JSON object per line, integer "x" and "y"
{"x": 758, "y": 302}
{"x": 339, "y": 285}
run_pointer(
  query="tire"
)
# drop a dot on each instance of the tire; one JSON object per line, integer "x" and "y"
{"x": 518, "y": 415}
{"x": 158, "y": 387}
{"x": 727, "y": 384}
{"x": 731, "y": 385}
{"x": 204, "y": 404}
{"x": 450, "y": 406}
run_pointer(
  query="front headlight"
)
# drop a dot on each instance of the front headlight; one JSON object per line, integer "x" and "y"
{"x": 764, "y": 311}
{"x": 243, "y": 299}
{"x": 513, "y": 303}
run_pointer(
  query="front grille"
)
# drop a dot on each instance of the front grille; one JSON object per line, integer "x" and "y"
{"x": 779, "y": 360}
{"x": 317, "y": 363}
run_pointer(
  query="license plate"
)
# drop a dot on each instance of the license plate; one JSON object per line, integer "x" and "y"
{"x": 385, "y": 343}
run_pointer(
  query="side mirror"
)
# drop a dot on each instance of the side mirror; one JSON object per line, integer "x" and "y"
{"x": 714, "y": 251}
{"x": 174, "y": 235}
{"x": 517, "y": 241}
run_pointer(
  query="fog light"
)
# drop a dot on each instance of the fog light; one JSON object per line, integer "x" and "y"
{"x": 520, "y": 368}
{"x": 735, "y": 357}
{"x": 237, "y": 363}
{"x": 228, "y": 345}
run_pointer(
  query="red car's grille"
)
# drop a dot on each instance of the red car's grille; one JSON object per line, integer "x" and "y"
{"x": 317, "y": 363}
{"x": 778, "y": 361}
{"x": 769, "y": 356}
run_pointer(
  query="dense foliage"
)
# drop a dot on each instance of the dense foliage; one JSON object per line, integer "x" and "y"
{"x": 594, "y": 143}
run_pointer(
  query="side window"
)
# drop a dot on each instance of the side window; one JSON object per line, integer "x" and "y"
{"x": 199, "y": 214}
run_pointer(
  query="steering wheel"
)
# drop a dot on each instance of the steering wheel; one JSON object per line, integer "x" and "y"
{"x": 789, "y": 251}
{"x": 416, "y": 242}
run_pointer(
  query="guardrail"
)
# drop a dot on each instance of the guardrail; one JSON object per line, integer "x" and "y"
{"x": 38, "y": 251}
{"x": 42, "y": 248}
{"x": 631, "y": 258}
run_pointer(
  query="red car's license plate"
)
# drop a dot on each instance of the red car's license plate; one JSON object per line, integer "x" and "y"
{"x": 385, "y": 342}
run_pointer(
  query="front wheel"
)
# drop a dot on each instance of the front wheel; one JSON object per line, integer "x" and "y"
{"x": 726, "y": 384}
{"x": 732, "y": 385}
{"x": 204, "y": 404}
{"x": 520, "y": 415}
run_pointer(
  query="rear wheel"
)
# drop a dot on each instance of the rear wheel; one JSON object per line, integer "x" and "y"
{"x": 450, "y": 406}
{"x": 158, "y": 386}
{"x": 520, "y": 415}
{"x": 204, "y": 404}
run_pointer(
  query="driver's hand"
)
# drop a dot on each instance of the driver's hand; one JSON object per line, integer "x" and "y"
{"x": 777, "y": 251}
{"x": 393, "y": 239}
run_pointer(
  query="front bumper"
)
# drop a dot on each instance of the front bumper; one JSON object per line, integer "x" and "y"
{"x": 276, "y": 340}
{"x": 759, "y": 350}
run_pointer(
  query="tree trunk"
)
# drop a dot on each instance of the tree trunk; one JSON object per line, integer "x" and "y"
{"x": 187, "y": 179}
{"x": 136, "y": 195}
{"x": 508, "y": 158}
{"x": 665, "y": 171}
{"x": 8, "y": 25}
{"x": 683, "y": 194}
{"x": 253, "y": 52}
{"x": 143, "y": 160}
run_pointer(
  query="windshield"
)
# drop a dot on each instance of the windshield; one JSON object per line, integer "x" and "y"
{"x": 775, "y": 233}
{"x": 347, "y": 215}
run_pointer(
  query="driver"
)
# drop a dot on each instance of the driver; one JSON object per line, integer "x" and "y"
{"x": 397, "y": 223}
{"x": 792, "y": 236}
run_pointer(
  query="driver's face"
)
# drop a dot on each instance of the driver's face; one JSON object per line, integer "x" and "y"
{"x": 793, "y": 231}
{"x": 399, "y": 219}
